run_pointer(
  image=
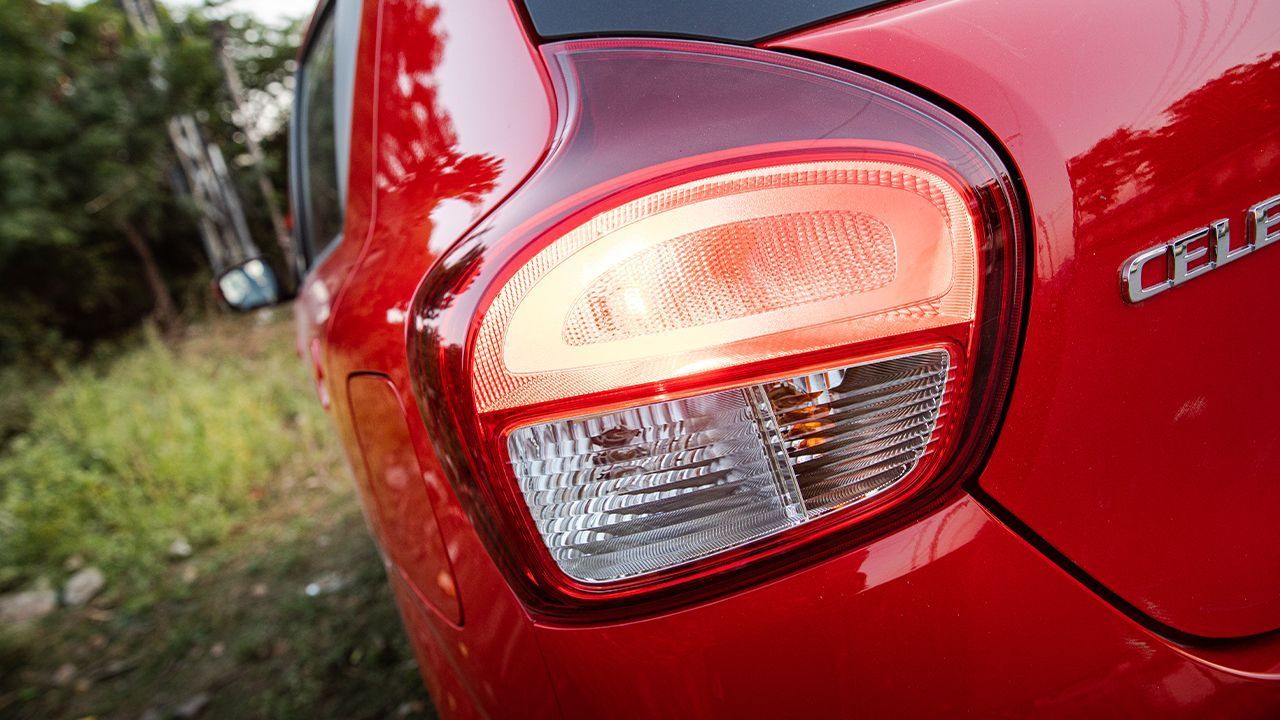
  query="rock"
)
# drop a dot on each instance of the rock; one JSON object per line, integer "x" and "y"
{"x": 409, "y": 709}
{"x": 190, "y": 573}
{"x": 73, "y": 563}
{"x": 193, "y": 706}
{"x": 151, "y": 714}
{"x": 27, "y": 606}
{"x": 64, "y": 675}
{"x": 115, "y": 668}
{"x": 326, "y": 583}
{"x": 180, "y": 549}
{"x": 83, "y": 586}
{"x": 99, "y": 615}
{"x": 259, "y": 590}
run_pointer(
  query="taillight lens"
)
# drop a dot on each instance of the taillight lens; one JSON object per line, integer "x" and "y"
{"x": 749, "y": 302}
{"x": 691, "y": 278}
{"x": 630, "y": 492}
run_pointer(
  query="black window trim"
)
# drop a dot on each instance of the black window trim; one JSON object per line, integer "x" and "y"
{"x": 299, "y": 189}
{"x": 736, "y": 21}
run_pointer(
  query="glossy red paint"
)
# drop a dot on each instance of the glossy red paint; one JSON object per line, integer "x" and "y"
{"x": 403, "y": 516}
{"x": 953, "y": 616}
{"x": 953, "y": 613}
{"x": 429, "y": 155}
{"x": 1140, "y": 441}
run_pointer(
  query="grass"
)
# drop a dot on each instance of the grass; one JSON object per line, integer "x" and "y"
{"x": 221, "y": 443}
{"x": 121, "y": 461}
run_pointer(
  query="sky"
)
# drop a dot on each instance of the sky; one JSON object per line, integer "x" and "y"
{"x": 270, "y": 109}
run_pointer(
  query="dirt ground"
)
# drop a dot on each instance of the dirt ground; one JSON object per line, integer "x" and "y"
{"x": 291, "y": 617}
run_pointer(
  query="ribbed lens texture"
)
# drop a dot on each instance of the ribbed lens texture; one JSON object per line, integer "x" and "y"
{"x": 639, "y": 490}
{"x": 626, "y": 493}
{"x": 726, "y": 270}
{"x": 853, "y": 433}
{"x": 735, "y": 270}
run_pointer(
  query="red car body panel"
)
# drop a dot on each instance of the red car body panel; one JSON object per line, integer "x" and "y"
{"x": 953, "y": 616}
{"x": 414, "y": 188}
{"x": 403, "y": 517}
{"x": 1139, "y": 441}
{"x": 1105, "y": 452}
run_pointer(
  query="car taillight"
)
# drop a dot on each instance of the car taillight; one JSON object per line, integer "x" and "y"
{"x": 749, "y": 302}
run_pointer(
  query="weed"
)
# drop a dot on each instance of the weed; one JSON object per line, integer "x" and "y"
{"x": 119, "y": 462}
{"x": 221, "y": 442}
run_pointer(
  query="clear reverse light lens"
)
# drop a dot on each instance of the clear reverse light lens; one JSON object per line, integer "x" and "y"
{"x": 635, "y": 491}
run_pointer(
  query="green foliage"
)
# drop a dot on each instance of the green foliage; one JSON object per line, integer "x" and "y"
{"x": 220, "y": 441}
{"x": 120, "y": 461}
{"x": 84, "y": 147}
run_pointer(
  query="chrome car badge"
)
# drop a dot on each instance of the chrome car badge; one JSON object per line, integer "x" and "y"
{"x": 1198, "y": 252}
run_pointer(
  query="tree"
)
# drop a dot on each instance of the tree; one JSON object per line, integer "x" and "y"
{"x": 92, "y": 238}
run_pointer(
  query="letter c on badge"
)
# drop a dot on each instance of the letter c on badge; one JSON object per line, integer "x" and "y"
{"x": 1131, "y": 276}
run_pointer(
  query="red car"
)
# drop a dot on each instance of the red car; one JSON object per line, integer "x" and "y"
{"x": 788, "y": 359}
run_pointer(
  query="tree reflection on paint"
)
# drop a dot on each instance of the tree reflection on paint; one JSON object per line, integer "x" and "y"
{"x": 427, "y": 162}
{"x": 1213, "y": 134}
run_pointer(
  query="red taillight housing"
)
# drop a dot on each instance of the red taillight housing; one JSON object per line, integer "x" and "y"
{"x": 750, "y": 303}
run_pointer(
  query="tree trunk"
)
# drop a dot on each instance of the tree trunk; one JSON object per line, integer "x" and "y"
{"x": 283, "y": 237}
{"x": 166, "y": 312}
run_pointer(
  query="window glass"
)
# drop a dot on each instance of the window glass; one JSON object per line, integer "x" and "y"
{"x": 323, "y": 201}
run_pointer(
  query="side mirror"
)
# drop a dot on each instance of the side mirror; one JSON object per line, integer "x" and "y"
{"x": 248, "y": 286}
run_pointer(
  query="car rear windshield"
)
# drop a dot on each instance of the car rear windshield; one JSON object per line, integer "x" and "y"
{"x": 736, "y": 20}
